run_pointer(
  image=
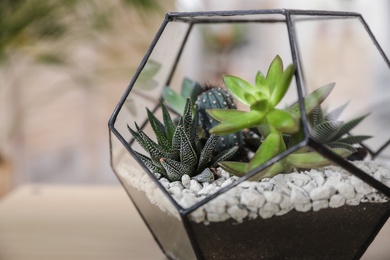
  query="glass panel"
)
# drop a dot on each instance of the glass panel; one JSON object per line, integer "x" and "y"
{"x": 158, "y": 212}
{"x": 341, "y": 51}
{"x": 147, "y": 89}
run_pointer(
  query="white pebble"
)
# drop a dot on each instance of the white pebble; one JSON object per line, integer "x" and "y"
{"x": 298, "y": 195}
{"x": 320, "y": 204}
{"x": 185, "y": 180}
{"x": 227, "y": 182}
{"x": 336, "y": 201}
{"x": 273, "y": 196}
{"x": 346, "y": 190}
{"x": 303, "y": 207}
{"x": 268, "y": 210}
{"x": 252, "y": 198}
{"x": 323, "y": 192}
{"x": 195, "y": 186}
{"x": 237, "y": 213}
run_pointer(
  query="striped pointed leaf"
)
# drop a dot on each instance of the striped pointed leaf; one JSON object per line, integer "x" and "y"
{"x": 327, "y": 130}
{"x": 206, "y": 154}
{"x": 334, "y": 115}
{"x": 149, "y": 163}
{"x": 159, "y": 131}
{"x": 168, "y": 123}
{"x": 342, "y": 145}
{"x": 174, "y": 169}
{"x": 224, "y": 156}
{"x": 348, "y": 126}
{"x": 188, "y": 155}
{"x": 354, "y": 139}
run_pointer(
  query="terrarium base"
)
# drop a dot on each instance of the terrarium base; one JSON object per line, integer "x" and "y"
{"x": 332, "y": 233}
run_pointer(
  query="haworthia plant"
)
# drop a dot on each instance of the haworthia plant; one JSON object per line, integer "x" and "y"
{"x": 178, "y": 151}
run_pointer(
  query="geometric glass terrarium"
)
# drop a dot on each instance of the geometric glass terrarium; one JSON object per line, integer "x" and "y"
{"x": 229, "y": 222}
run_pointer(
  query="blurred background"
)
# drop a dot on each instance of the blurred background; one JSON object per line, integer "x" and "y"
{"x": 65, "y": 64}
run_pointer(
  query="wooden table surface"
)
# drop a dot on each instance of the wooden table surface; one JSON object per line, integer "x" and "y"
{"x": 89, "y": 222}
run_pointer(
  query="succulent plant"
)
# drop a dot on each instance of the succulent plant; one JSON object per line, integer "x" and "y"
{"x": 178, "y": 150}
{"x": 279, "y": 127}
{"x": 327, "y": 129}
{"x": 211, "y": 97}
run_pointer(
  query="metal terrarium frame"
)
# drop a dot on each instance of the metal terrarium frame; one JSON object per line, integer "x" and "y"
{"x": 245, "y": 16}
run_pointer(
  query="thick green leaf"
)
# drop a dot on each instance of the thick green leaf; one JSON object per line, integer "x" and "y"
{"x": 283, "y": 121}
{"x": 238, "y": 123}
{"x": 268, "y": 149}
{"x": 224, "y": 114}
{"x": 313, "y": 160}
{"x": 313, "y": 100}
{"x": 261, "y": 105}
{"x": 236, "y": 168}
{"x": 175, "y": 101}
{"x": 275, "y": 71}
{"x": 282, "y": 85}
{"x": 261, "y": 84}
{"x": 238, "y": 87}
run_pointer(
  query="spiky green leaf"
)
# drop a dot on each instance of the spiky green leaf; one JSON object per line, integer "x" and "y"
{"x": 343, "y": 146}
{"x": 326, "y": 130}
{"x": 188, "y": 154}
{"x": 149, "y": 163}
{"x": 174, "y": 169}
{"x": 354, "y": 139}
{"x": 159, "y": 131}
{"x": 206, "y": 154}
{"x": 348, "y": 126}
{"x": 168, "y": 123}
{"x": 224, "y": 156}
{"x": 334, "y": 114}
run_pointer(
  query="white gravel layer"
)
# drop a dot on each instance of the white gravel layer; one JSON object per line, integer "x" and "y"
{"x": 304, "y": 191}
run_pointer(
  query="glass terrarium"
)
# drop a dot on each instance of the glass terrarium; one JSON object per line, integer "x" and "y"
{"x": 249, "y": 216}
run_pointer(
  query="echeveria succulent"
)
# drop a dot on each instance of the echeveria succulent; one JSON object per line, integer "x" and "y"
{"x": 279, "y": 127}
